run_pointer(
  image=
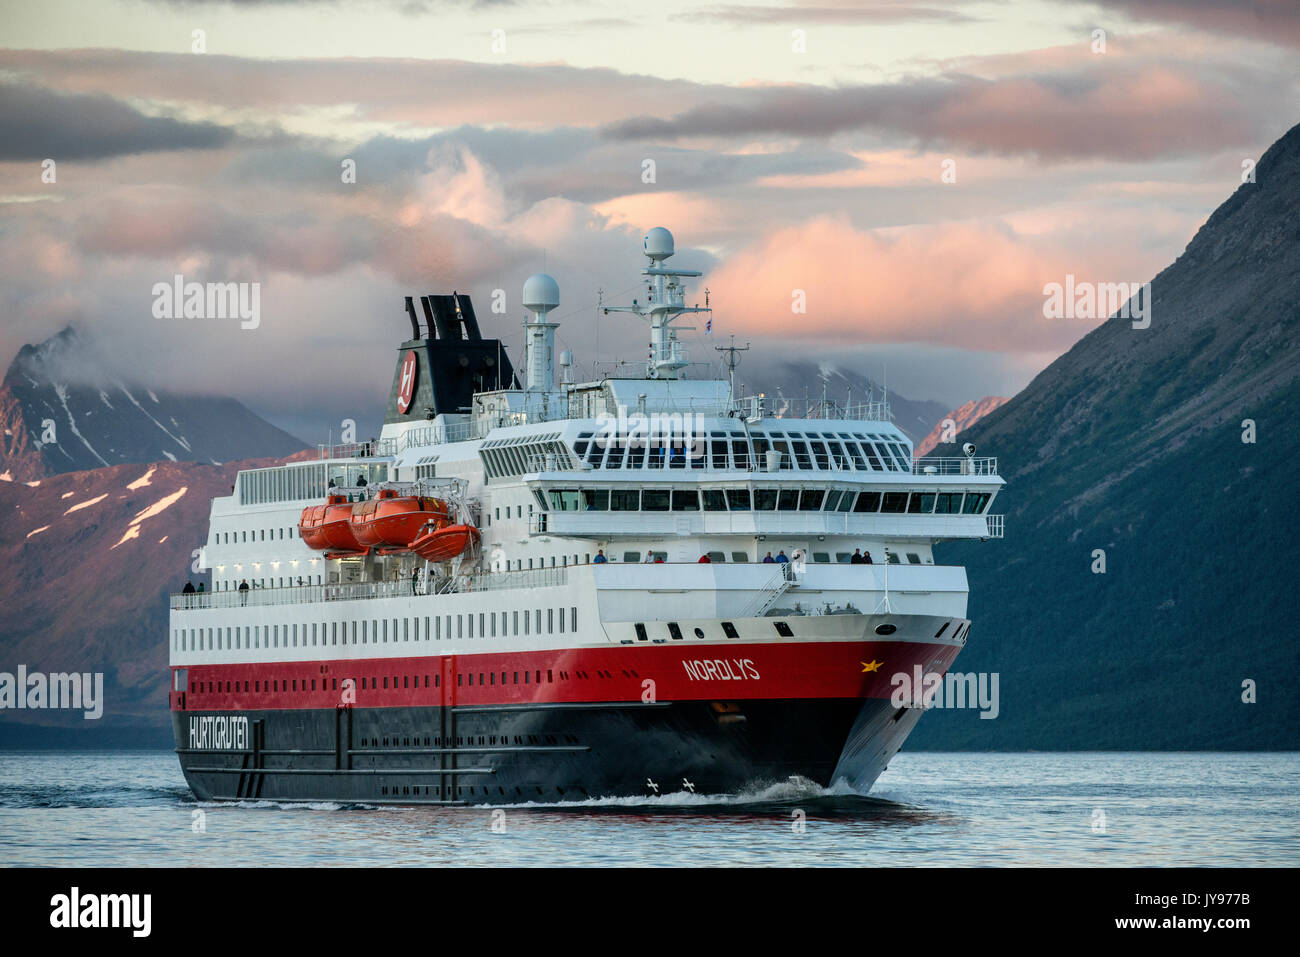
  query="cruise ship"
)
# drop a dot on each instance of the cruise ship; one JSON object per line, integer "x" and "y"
{"x": 536, "y": 589}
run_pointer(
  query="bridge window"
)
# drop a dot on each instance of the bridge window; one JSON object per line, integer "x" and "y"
{"x": 595, "y": 500}
{"x": 810, "y": 500}
{"x": 624, "y": 500}
{"x": 715, "y": 500}
{"x": 686, "y": 500}
{"x": 948, "y": 503}
{"x": 975, "y": 503}
{"x": 738, "y": 499}
{"x": 893, "y": 502}
{"x": 564, "y": 499}
{"x": 921, "y": 503}
{"x": 654, "y": 500}
{"x": 740, "y": 453}
{"x": 764, "y": 499}
{"x": 789, "y": 500}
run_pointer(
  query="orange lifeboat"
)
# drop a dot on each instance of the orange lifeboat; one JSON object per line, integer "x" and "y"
{"x": 328, "y": 526}
{"x": 392, "y": 521}
{"x": 437, "y": 544}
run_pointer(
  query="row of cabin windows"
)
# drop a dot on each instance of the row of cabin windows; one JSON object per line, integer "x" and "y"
{"x": 537, "y": 621}
{"x": 842, "y": 451}
{"x": 259, "y": 535}
{"x": 766, "y": 499}
{"x": 397, "y": 682}
{"x": 364, "y": 683}
{"x": 518, "y": 511}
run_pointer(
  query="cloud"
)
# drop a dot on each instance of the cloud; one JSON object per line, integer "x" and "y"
{"x": 37, "y": 123}
{"x": 871, "y": 14}
{"x": 1126, "y": 111}
{"x": 1272, "y": 21}
{"x": 962, "y": 285}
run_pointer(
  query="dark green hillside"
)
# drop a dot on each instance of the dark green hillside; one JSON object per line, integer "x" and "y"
{"x": 1132, "y": 442}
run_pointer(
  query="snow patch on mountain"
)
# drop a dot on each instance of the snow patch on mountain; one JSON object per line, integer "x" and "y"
{"x": 143, "y": 480}
{"x": 79, "y": 506}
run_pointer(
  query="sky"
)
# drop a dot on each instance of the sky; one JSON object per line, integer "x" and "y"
{"x": 914, "y": 173}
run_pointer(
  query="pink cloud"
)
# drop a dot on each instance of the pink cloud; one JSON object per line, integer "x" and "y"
{"x": 974, "y": 286}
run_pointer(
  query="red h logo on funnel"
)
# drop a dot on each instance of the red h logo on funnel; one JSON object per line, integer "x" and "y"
{"x": 406, "y": 385}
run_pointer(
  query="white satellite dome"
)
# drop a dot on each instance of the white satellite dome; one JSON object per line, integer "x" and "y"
{"x": 541, "y": 293}
{"x": 658, "y": 243}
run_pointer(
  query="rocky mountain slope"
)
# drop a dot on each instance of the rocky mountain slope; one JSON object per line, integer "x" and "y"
{"x": 90, "y": 558}
{"x": 62, "y": 410}
{"x": 963, "y": 418}
{"x": 1171, "y": 450}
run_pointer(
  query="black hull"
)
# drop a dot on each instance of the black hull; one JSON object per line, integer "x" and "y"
{"x": 540, "y": 753}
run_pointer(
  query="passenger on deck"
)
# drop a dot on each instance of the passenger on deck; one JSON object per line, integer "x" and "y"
{"x": 856, "y": 558}
{"x": 243, "y": 592}
{"x": 189, "y": 587}
{"x": 600, "y": 558}
{"x": 649, "y": 556}
{"x": 768, "y": 559}
{"x": 781, "y": 557}
{"x": 866, "y": 558}
{"x": 705, "y": 559}
{"x": 200, "y": 589}
{"x": 415, "y": 581}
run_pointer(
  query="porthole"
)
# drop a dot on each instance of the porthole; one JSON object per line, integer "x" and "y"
{"x": 699, "y": 632}
{"x": 886, "y": 629}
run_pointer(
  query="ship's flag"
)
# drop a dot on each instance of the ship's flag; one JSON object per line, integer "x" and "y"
{"x": 708, "y": 327}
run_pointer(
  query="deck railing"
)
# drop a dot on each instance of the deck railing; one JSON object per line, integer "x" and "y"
{"x": 353, "y": 591}
{"x": 955, "y": 465}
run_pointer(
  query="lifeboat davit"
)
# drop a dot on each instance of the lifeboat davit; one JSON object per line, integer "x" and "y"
{"x": 438, "y": 544}
{"x": 329, "y": 526}
{"x": 392, "y": 521}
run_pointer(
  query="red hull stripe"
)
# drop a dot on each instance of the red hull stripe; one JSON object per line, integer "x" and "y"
{"x": 851, "y": 669}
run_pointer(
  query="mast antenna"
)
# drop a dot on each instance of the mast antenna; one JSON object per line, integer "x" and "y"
{"x": 732, "y": 359}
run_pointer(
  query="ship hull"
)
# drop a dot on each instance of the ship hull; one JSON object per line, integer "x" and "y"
{"x": 537, "y": 753}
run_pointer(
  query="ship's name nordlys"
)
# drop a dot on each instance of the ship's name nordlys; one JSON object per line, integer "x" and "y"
{"x": 222, "y": 732}
{"x": 721, "y": 669}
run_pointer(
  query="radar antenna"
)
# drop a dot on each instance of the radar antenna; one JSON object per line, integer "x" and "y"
{"x": 665, "y": 302}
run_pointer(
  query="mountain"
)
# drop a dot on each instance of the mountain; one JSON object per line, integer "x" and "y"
{"x": 802, "y": 384}
{"x": 90, "y": 558}
{"x": 1173, "y": 450}
{"x": 62, "y": 410}
{"x": 963, "y": 418}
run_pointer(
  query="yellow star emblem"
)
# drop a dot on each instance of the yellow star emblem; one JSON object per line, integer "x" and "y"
{"x": 872, "y": 665}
